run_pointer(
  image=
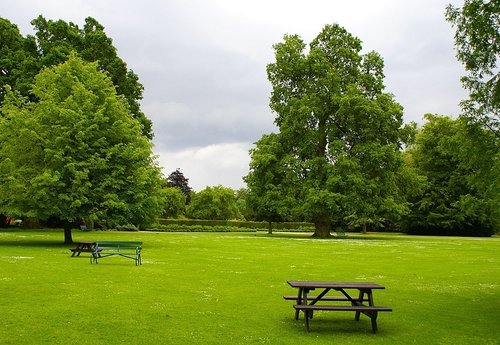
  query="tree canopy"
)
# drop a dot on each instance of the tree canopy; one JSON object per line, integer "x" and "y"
{"x": 214, "y": 203}
{"x": 175, "y": 202}
{"x": 477, "y": 40}
{"x": 22, "y": 58}
{"x": 178, "y": 180}
{"x": 339, "y": 133}
{"x": 461, "y": 195}
{"x": 75, "y": 153}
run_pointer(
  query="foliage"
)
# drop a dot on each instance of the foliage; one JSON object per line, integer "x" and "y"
{"x": 178, "y": 180}
{"x": 243, "y": 204}
{"x": 431, "y": 283}
{"x": 267, "y": 196}
{"x": 76, "y": 153}
{"x": 23, "y": 58}
{"x": 175, "y": 202}
{"x": 336, "y": 158}
{"x": 18, "y": 60}
{"x": 236, "y": 225}
{"x": 461, "y": 196}
{"x": 212, "y": 203}
{"x": 477, "y": 39}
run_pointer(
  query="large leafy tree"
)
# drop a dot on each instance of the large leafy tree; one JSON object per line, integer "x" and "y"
{"x": 214, "y": 203}
{"x": 22, "y": 58}
{"x": 456, "y": 200}
{"x": 340, "y": 133}
{"x": 477, "y": 41}
{"x": 76, "y": 152}
{"x": 178, "y": 180}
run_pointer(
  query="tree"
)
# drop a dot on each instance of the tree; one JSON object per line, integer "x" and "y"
{"x": 267, "y": 195}
{"x": 175, "y": 202}
{"x": 453, "y": 202}
{"x": 52, "y": 44}
{"x": 177, "y": 179}
{"x": 214, "y": 203}
{"x": 477, "y": 39}
{"x": 242, "y": 203}
{"x": 339, "y": 132}
{"x": 76, "y": 152}
{"x": 18, "y": 65}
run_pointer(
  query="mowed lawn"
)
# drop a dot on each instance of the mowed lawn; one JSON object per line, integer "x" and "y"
{"x": 227, "y": 288}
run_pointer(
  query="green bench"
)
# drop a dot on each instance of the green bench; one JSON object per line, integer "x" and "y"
{"x": 126, "y": 249}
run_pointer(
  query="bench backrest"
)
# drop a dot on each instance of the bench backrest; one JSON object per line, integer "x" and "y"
{"x": 118, "y": 245}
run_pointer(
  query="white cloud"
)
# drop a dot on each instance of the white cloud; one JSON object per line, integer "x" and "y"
{"x": 223, "y": 164}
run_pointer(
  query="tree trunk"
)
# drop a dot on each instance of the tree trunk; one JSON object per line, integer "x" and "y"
{"x": 68, "y": 237}
{"x": 270, "y": 228}
{"x": 322, "y": 230}
{"x": 364, "y": 231}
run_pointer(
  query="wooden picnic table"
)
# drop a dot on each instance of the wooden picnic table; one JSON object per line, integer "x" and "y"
{"x": 307, "y": 304}
{"x": 85, "y": 247}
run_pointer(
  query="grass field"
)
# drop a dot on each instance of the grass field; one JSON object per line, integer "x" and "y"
{"x": 227, "y": 288}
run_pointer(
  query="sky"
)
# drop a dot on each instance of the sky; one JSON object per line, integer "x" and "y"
{"x": 203, "y": 65}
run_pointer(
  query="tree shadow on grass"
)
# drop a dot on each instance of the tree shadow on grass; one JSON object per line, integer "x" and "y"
{"x": 31, "y": 239}
{"x": 347, "y": 236}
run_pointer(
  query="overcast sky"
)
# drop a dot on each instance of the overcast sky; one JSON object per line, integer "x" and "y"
{"x": 203, "y": 64}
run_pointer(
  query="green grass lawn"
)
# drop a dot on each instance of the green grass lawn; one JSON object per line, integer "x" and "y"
{"x": 227, "y": 288}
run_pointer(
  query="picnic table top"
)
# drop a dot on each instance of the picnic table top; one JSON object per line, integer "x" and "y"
{"x": 333, "y": 285}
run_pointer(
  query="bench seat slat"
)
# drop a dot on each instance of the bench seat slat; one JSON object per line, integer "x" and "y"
{"x": 341, "y": 307}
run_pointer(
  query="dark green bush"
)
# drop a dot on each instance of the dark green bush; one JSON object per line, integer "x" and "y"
{"x": 228, "y": 225}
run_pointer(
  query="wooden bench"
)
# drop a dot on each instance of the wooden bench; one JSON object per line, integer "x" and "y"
{"x": 370, "y": 311}
{"x": 126, "y": 249}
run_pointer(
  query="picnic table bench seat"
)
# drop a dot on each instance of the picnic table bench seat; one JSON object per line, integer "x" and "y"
{"x": 126, "y": 249}
{"x": 370, "y": 311}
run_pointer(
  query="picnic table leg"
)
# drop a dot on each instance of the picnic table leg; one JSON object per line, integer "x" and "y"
{"x": 307, "y": 316}
{"x": 373, "y": 317}
{"x": 360, "y": 297}
{"x": 299, "y": 301}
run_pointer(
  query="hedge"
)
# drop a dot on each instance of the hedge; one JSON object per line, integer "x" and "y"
{"x": 229, "y": 225}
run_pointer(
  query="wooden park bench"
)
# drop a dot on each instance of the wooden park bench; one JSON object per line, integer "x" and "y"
{"x": 126, "y": 249}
